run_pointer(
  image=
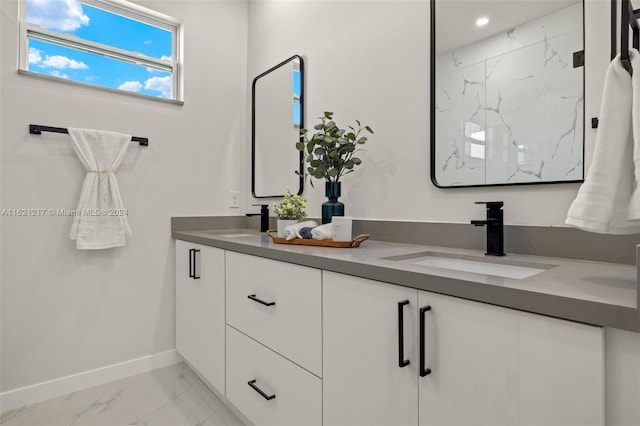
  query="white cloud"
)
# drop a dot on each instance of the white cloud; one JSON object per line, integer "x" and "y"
{"x": 35, "y": 55}
{"x": 148, "y": 42}
{"x": 131, "y": 86}
{"x": 159, "y": 84}
{"x": 60, "y": 15}
{"x": 165, "y": 58}
{"x": 57, "y": 73}
{"x": 62, "y": 62}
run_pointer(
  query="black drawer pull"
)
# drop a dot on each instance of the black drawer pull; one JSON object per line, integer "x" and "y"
{"x": 401, "y": 361}
{"x": 191, "y": 257}
{"x": 423, "y": 369}
{"x": 195, "y": 277}
{"x": 255, "y": 299}
{"x": 257, "y": 389}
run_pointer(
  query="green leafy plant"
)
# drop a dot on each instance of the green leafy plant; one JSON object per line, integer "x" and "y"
{"x": 291, "y": 207}
{"x": 331, "y": 150}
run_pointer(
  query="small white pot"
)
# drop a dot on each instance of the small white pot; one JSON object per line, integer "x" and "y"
{"x": 282, "y": 224}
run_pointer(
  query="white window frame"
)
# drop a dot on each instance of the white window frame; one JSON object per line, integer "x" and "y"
{"x": 127, "y": 10}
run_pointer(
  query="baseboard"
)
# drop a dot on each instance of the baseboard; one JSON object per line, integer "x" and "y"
{"x": 86, "y": 379}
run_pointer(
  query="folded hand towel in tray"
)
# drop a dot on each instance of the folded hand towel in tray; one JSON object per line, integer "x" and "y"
{"x": 293, "y": 231}
{"x": 306, "y": 233}
{"x": 322, "y": 232}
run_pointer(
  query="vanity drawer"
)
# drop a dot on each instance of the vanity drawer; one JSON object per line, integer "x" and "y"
{"x": 278, "y": 304}
{"x": 296, "y": 394}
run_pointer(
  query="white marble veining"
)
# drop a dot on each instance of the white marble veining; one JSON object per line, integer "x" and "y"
{"x": 510, "y": 108}
{"x": 168, "y": 396}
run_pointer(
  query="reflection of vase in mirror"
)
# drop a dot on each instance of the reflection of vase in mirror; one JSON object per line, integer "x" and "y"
{"x": 277, "y": 116}
{"x": 508, "y": 101}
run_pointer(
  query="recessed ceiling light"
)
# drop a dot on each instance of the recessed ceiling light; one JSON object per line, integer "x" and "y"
{"x": 481, "y": 22}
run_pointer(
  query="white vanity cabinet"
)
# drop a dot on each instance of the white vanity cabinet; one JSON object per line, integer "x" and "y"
{"x": 200, "y": 310}
{"x": 291, "y": 345}
{"x": 488, "y": 365}
{"x": 274, "y": 340}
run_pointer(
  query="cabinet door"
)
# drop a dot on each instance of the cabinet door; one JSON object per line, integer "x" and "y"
{"x": 210, "y": 309}
{"x": 471, "y": 349}
{"x": 363, "y": 382}
{"x": 498, "y": 366}
{"x": 186, "y": 302}
{"x": 561, "y": 372}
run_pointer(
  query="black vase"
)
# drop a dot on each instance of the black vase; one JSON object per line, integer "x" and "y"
{"x": 333, "y": 207}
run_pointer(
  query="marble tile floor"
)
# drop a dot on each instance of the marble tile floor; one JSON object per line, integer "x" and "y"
{"x": 169, "y": 396}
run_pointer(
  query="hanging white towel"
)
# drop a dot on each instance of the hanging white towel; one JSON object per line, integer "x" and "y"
{"x": 634, "y": 203}
{"x": 100, "y": 221}
{"x": 602, "y": 203}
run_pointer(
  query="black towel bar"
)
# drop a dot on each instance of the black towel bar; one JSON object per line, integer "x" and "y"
{"x": 36, "y": 129}
{"x": 628, "y": 18}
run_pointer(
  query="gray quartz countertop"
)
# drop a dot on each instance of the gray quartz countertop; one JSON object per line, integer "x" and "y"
{"x": 602, "y": 294}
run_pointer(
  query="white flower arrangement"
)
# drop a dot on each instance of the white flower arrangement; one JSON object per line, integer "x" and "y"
{"x": 291, "y": 207}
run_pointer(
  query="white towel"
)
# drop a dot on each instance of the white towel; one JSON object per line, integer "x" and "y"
{"x": 101, "y": 220}
{"x": 322, "y": 232}
{"x": 634, "y": 203}
{"x": 602, "y": 203}
{"x": 293, "y": 231}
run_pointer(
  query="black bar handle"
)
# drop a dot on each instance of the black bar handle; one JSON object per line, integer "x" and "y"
{"x": 191, "y": 257}
{"x": 252, "y": 383}
{"x": 423, "y": 370}
{"x": 195, "y": 277}
{"x": 255, "y": 299}
{"x": 401, "y": 361}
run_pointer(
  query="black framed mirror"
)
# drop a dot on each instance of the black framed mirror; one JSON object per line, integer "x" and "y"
{"x": 507, "y": 92}
{"x": 277, "y": 115}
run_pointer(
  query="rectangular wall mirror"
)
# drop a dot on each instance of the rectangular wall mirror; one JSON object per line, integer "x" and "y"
{"x": 277, "y": 114}
{"x": 507, "y": 92}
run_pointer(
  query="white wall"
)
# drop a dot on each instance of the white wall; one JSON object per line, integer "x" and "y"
{"x": 372, "y": 63}
{"x": 65, "y": 311}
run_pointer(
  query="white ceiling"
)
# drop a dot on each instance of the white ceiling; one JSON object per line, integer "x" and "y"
{"x": 455, "y": 19}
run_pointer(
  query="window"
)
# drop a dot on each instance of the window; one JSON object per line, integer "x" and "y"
{"x": 297, "y": 90}
{"x": 107, "y": 43}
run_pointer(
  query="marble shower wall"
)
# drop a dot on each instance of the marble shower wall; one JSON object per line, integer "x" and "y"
{"x": 509, "y": 108}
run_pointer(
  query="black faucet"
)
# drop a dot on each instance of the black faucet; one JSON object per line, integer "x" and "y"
{"x": 495, "y": 228}
{"x": 264, "y": 216}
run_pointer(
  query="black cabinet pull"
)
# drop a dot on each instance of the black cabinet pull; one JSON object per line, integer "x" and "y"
{"x": 423, "y": 370}
{"x": 255, "y": 299}
{"x": 401, "y": 361}
{"x": 252, "y": 383}
{"x": 195, "y": 277}
{"x": 191, "y": 257}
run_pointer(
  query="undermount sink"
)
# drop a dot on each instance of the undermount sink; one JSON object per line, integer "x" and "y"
{"x": 499, "y": 267}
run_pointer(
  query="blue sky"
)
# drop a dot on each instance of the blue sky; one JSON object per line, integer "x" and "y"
{"x": 89, "y": 23}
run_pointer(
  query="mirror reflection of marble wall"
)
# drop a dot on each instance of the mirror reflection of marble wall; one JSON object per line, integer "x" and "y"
{"x": 509, "y": 108}
{"x": 276, "y": 121}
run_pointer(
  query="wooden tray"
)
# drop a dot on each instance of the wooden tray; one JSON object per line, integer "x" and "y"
{"x": 322, "y": 243}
